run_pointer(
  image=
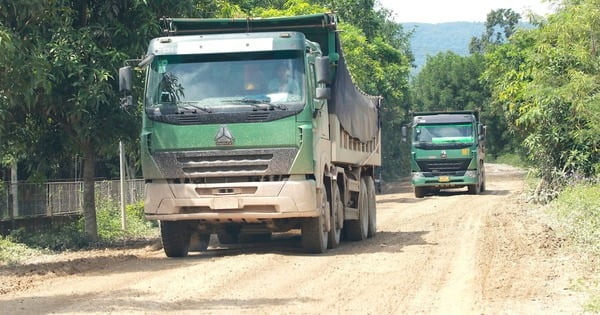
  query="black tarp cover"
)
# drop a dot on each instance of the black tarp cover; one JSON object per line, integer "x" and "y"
{"x": 358, "y": 112}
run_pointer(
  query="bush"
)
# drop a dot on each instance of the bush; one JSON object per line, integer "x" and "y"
{"x": 72, "y": 236}
{"x": 109, "y": 219}
{"x": 12, "y": 253}
{"x": 66, "y": 236}
{"x": 578, "y": 214}
{"x": 577, "y": 209}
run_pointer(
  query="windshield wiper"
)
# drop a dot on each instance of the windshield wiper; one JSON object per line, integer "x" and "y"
{"x": 259, "y": 104}
{"x": 191, "y": 106}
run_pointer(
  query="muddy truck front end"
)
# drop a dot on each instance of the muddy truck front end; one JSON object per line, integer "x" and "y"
{"x": 241, "y": 135}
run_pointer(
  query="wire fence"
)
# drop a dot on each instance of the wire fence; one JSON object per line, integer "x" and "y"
{"x": 60, "y": 198}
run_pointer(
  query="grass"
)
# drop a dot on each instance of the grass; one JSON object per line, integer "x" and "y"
{"x": 22, "y": 244}
{"x": 577, "y": 209}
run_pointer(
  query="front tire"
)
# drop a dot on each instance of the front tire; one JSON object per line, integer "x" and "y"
{"x": 175, "y": 238}
{"x": 419, "y": 192}
{"x": 314, "y": 235}
{"x": 482, "y": 170}
{"x": 480, "y": 186}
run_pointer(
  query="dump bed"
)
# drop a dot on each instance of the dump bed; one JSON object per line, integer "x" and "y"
{"x": 357, "y": 112}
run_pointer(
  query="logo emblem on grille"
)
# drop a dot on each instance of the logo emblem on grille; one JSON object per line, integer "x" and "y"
{"x": 223, "y": 136}
{"x": 443, "y": 154}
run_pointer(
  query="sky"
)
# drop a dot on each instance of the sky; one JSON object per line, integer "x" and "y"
{"x": 440, "y": 11}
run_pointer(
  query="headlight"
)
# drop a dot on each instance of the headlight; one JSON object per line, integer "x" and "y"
{"x": 417, "y": 175}
{"x": 472, "y": 174}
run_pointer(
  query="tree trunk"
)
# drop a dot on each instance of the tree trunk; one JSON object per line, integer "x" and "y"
{"x": 89, "y": 201}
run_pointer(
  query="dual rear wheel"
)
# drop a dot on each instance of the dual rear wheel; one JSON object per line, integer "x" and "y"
{"x": 314, "y": 229}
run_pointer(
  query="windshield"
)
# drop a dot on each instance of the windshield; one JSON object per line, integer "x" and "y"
{"x": 227, "y": 81}
{"x": 443, "y": 133}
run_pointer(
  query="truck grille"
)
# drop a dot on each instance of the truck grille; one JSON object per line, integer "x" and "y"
{"x": 225, "y": 163}
{"x": 444, "y": 167}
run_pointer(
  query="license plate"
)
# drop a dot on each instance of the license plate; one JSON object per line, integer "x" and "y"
{"x": 225, "y": 203}
{"x": 444, "y": 179}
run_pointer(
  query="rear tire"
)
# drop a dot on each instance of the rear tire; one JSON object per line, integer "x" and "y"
{"x": 357, "y": 230}
{"x": 372, "y": 202}
{"x": 337, "y": 216}
{"x": 175, "y": 238}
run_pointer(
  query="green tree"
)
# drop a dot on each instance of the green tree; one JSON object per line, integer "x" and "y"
{"x": 449, "y": 82}
{"x": 546, "y": 81}
{"x": 58, "y": 97}
{"x": 499, "y": 26}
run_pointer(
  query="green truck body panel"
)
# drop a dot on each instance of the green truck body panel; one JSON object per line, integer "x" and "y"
{"x": 249, "y": 123}
{"x": 447, "y": 151}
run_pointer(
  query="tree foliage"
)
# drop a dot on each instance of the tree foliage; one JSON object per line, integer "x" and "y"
{"x": 59, "y": 98}
{"x": 449, "y": 82}
{"x": 546, "y": 81}
{"x": 499, "y": 26}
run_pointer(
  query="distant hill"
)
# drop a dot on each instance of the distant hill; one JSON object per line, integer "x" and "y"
{"x": 430, "y": 39}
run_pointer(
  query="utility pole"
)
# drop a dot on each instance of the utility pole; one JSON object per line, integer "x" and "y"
{"x": 14, "y": 189}
{"x": 122, "y": 177}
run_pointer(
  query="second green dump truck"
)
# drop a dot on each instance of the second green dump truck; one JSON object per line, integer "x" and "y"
{"x": 447, "y": 151}
{"x": 253, "y": 126}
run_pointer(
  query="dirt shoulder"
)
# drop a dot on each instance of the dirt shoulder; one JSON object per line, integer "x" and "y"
{"x": 453, "y": 253}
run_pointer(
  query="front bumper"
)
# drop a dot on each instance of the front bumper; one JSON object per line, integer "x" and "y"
{"x": 231, "y": 202}
{"x": 421, "y": 179}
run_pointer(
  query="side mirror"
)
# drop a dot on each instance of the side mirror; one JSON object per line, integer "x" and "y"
{"x": 125, "y": 79}
{"x": 126, "y": 85}
{"x": 404, "y": 133}
{"x": 323, "y": 93}
{"x": 322, "y": 70}
{"x": 481, "y": 131}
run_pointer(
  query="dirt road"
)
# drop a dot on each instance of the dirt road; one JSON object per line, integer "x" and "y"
{"x": 450, "y": 254}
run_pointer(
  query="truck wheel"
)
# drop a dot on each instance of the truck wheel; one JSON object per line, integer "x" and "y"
{"x": 357, "y": 230}
{"x": 372, "y": 201}
{"x": 337, "y": 216}
{"x": 475, "y": 188}
{"x": 314, "y": 236}
{"x": 199, "y": 242}
{"x": 479, "y": 187}
{"x": 175, "y": 238}
{"x": 419, "y": 192}
{"x": 482, "y": 170}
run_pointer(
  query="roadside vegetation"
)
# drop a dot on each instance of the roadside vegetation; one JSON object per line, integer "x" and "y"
{"x": 21, "y": 244}
{"x": 577, "y": 213}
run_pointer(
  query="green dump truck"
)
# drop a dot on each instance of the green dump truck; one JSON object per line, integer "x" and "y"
{"x": 254, "y": 126}
{"x": 447, "y": 151}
